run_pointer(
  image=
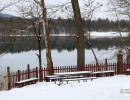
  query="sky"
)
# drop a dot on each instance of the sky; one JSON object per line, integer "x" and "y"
{"x": 99, "y": 13}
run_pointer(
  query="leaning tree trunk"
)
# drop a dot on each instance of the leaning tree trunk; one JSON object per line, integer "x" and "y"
{"x": 47, "y": 38}
{"x": 80, "y": 35}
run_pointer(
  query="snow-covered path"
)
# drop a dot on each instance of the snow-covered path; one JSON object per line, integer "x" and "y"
{"x": 107, "y": 88}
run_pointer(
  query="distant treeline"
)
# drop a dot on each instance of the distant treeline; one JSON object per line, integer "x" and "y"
{"x": 101, "y": 25}
{"x": 17, "y": 25}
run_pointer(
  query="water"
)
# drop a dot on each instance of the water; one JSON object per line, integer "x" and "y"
{"x": 17, "y": 52}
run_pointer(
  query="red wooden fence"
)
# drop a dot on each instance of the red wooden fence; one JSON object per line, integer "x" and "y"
{"x": 13, "y": 77}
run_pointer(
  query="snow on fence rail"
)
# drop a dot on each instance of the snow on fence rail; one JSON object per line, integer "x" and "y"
{"x": 14, "y": 77}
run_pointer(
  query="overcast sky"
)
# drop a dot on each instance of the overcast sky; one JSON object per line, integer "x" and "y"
{"x": 99, "y": 13}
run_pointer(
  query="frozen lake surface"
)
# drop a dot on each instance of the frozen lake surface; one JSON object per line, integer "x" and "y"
{"x": 20, "y": 60}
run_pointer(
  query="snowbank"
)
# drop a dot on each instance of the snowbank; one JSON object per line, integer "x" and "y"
{"x": 108, "y": 34}
{"x": 107, "y": 88}
{"x": 98, "y": 34}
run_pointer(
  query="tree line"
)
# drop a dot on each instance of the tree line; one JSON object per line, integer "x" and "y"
{"x": 15, "y": 25}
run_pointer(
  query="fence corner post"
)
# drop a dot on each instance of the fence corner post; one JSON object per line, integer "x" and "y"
{"x": 120, "y": 63}
{"x": 8, "y": 73}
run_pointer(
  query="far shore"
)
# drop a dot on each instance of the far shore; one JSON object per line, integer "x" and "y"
{"x": 92, "y": 34}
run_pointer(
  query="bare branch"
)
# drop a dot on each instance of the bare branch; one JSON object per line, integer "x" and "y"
{"x": 8, "y": 4}
{"x": 122, "y": 7}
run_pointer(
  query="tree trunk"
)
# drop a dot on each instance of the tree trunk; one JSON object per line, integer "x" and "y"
{"x": 95, "y": 57}
{"x": 80, "y": 35}
{"x": 40, "y": 61}
{"x": 38, "y": 35}
{"x": 47, "y": 38}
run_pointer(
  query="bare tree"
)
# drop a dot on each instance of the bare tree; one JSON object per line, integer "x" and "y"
{"x": 33, "y": 12}
{"x": 7, "y": 4}
{"x": 120, "y": 7}
{"x": 90, "y": 6}
{"x": 89, "y": 9}
{"x": 41, "y": 3}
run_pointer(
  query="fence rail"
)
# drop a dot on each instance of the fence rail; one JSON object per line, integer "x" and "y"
{"x": 13, "y": 77}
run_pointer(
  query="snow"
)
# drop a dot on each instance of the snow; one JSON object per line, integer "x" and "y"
{"x": 92, "y": 34}
{"x": 104, "y": 72}
{"x": 108, "y": 34}
{"x": 105, "y": 88}
{"x": 27, "y": 80}
{"x": 128, "y": 70}
{"x": 97, "y": 34}
{"x": 73, "y": 73}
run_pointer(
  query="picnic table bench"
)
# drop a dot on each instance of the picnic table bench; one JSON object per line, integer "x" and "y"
{"x": 105, "y": 73}
{"x": 26, "y": 82}
{"x": 78, "y": 79}
{"x": 128, "y": 71}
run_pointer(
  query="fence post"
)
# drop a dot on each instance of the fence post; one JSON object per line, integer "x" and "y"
{"x": 106, "y": 64}
{"x": 41, "y": 74}
{"x": 45, "y": 74}
{"x": 8, "y": 73}
{"x": 28, "y": 69}
{"x": 120, "y": 63}
{"x": 36, "y": 72}
{"x": 18, "y": 75}
{"x": 52, "y": 70}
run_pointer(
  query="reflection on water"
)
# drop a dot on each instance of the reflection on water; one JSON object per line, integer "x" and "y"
{"x": 20, "y": 51}
{"x": 20, "y": 44}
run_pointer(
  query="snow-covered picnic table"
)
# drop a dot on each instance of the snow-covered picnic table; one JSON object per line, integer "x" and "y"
{"x": 71, "y": 75}
{"x": 79, "y": 75}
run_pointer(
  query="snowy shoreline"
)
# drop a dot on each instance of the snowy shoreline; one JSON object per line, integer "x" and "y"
{"x": 93, "y": 34}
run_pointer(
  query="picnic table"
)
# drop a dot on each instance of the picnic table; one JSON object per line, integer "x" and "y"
{"x": 69, "y": 75}
{"x": 79, "y": 75}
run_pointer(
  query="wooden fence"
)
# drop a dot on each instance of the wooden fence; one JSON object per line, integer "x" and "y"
{"x": 13, "y": 77}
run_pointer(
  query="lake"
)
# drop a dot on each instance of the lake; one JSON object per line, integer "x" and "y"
{"x": 17, "y": 52}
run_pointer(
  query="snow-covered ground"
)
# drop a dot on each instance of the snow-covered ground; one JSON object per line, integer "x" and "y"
{"x": 106, "y": 88}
